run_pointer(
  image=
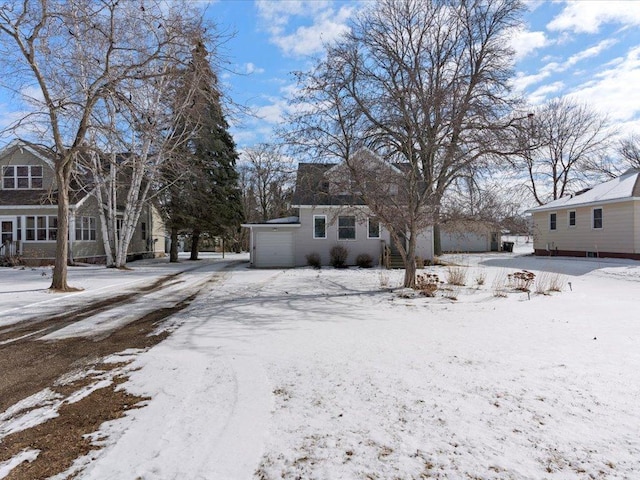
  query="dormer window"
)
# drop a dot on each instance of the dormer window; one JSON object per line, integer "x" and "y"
{"x": 22, "y": 177}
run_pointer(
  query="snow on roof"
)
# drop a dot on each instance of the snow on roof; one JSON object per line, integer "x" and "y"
{"x": 625, "y": 187}
{"x": 284, "y": 220}
{"x": 291, "y": 221}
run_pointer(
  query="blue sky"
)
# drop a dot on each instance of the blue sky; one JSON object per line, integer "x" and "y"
{"x": 586, "y": 49}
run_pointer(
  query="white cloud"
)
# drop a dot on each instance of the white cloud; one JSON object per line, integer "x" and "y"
{"x": 614, "y": 90}
{"x": 525, "y": 42}
{"x": 303, "y": 27}
{"x": 590, "y": 52}
{"x": 522, "y": 81}
{"x": 250, "y": 68}
{"x": 541, "y": 94}
{"x": 586, "y": 17}
{"x": 276, "y": 14}
{"x": 272, "y": 113}
{"x": 32, "y": 95}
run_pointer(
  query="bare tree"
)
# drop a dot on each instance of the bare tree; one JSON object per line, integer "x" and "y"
{"x": 629, "y": 150}
{"x": 565, "y": 140}
{"x": 267, "y": 177}
{"x": 425, "y": 85}
{"x": 74, "y": 55}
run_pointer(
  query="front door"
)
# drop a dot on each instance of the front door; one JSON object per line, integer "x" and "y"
{"x": 6, "y": 236}
{"x": 495, "y": 241}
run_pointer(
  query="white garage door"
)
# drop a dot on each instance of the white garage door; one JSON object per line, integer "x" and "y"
{"x": 274, "y": 249}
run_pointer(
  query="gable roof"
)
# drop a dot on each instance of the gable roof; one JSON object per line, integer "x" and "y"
{"x": 625, "y": 187}
{"x": 40, "y": 197}
{"x": 38, "y": 151}
{"x": 313, "y": 181}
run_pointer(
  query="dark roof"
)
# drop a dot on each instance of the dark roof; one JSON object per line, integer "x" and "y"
{"x": 313, "y": 189}
{"x": 27, "y": 197}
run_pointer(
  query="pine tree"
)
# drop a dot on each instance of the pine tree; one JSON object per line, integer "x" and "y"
{"x": 202, "y": 182}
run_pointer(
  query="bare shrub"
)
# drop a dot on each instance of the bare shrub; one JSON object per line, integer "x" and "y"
{"x": 427, "y": 284}
{"x": 557, "y": 282}
{"x": 480, "y": 277}
{"x": 364, "y": 260}
{"x": 541, "y": 285}
{"x": 451, "y": 292}
{"x": 456, "y": 275}
{"x": 499, "y": 285}
{"x": 338, "y": 256}
{"x": 313, "y": 260}
{"x": 521, "y": 280}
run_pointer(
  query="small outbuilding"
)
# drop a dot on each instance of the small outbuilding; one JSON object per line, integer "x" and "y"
{"x": 271, "y": 244}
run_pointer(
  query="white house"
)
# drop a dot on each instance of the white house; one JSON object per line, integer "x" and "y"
{"x": 327, "y": 216}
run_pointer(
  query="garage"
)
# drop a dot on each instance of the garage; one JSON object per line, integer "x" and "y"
{"x": 271, "y": 244}
{"x": 273, "y": 249}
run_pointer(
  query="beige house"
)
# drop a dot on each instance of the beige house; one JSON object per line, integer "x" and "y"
{"x": 28, "y": 213}
{"x": 603, "y": 221}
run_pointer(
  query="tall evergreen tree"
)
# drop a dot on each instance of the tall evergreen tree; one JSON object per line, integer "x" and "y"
{"x": 201, "y": 183}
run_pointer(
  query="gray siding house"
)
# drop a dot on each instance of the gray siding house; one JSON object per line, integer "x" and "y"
{"x": 603, "y": 221}
{"x": 28, "y": 213}
{"x": 327, "y": 216}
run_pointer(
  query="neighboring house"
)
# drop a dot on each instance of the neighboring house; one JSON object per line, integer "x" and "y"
{"x": 28, "y": 213}
{"x": 603, "y": 221}
{"x": 328, "y": 214}
{"x": 470, "y": 236}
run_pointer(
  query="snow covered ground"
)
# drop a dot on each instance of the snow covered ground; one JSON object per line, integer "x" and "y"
{"x": 333, "y": 374}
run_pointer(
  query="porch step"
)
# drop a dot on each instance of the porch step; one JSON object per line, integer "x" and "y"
{"x": 395, "y": 261}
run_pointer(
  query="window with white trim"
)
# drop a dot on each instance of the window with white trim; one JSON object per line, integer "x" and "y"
{"x": 373, "y": 227}
{"x": 22, "y": 177}
{"x": 41, "y": 228}
{"x": 319, "y": 226}
{"x": 597, "y": 218}
{"x": 86, "y": 229}
{"x": 347, "y": 227}
{"x": 143, "y": 230}
{"x": 572, "y": 218}
{"x": 553, "y": 221}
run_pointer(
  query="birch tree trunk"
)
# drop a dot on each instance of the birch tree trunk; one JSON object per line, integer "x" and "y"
{"x": 59, "y": 277}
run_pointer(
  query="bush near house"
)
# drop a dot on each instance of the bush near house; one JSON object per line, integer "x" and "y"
{"x": 364, "y": 260}
{"x": 338, "y": 256}
{"x": 313, "y": 260}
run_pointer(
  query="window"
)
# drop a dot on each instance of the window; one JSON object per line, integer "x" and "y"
{"x": 553, "y": 217}
{"x": 22, "y": 177}
{"x": 319, "y": 226}
{"x": 143, "y": 230}
{"x": 41, "y": 229}
{"x": 373, "y": 228}
{"x": 597, "y": 218}
{"x": 86, "y": 228}
{"x": 347, "y": 228}
{"x": 572, "y": 218}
